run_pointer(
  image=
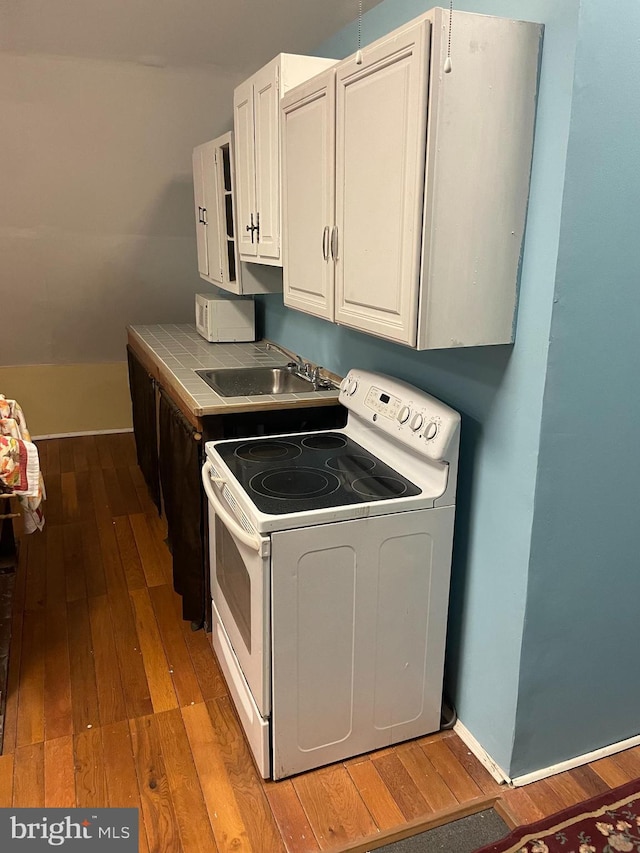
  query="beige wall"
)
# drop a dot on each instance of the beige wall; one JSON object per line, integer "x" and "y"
{"x": 70, "y": 398}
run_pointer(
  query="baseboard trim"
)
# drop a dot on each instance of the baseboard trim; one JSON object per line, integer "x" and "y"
{"x": 480, "y": 753}
{"x": 587, "y": 758}
{"x": 78, "y": 434}
{"x": 527, "y": 778}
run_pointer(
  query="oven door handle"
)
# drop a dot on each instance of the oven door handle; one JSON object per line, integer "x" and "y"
{"x": 226, "y": 517}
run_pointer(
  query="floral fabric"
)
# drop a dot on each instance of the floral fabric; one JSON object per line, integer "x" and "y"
{"x": 609, "y": 823}
{"x": 20, "y": 465}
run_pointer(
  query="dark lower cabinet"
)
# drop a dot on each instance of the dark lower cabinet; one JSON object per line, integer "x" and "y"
{"x": 171, "y": 453}
{"x": 142, "y": 387}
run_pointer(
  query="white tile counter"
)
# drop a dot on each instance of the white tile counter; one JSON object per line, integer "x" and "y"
{"x": 177, "y": 351}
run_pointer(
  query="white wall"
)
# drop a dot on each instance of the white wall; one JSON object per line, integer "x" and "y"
{"x": 96, "y": 220}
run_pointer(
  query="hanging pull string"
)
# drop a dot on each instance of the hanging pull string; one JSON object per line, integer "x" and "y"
{"x": 359, "y": 51}
{"x": 447, "y": 62}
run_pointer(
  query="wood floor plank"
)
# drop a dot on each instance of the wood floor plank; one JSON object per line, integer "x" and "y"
{"x": 91, "y": 452}
{"x": 610, "y": 772}
{"x": 53, "y": 507}
{"x": 129, "y": 553}
{"x": 261, "y": 828}
{"x": 70, "y": 506}
{"x": 91, "y": 786}
{"x": 75, "y": 581}
{"x": 59, "y": 773}
{"x": 117, "y": 501}
{"x": 567, "y": 789}
{"x": 137, "y": 696}
{"x": 522, "y": 806}
{"x": 146, "y": 503}
{"x": 53, "y": 456}
{"x": 128, "y": 490}
{"x": 36, "y": 580}
{"x": 84, "y": 692}
{"x": 67, "y": 463}
{"x": 15, "y": 660}
{"x": 334, "y": 807}
{"x": 28, "y": 776}
{"x": 290, "y": 817}
{"x": 154, "y": 555}
{"x": 451, "y": 771}
{"x": 188, "y": 803}
{"x": 6, "y": 780}
{"x": 375, "y": 794}
{"x": 156, "y": 666}
{"x": 204, "y": 661}
{"x": 181, "y": 668}
{"x": 158, "y": 816}
{"x": 123, "y": 448}
{"x": 111, "y": 704}
{"x": 103, "y": 449}
{"x": 224, "y": 814}
{"x": 429, "y": 782}
{"x": 401, "y": 786}
{"x": 56, "y": 580}
{"x": 480, "y": 775}
{"x": 629, "y": 761}
{"x": 95, "y": 578}
{"x": 30, "y": 723}
{"x": 120, "y": 773}
{"x": 588, "y": 780}
{"x": 58, "y": 713}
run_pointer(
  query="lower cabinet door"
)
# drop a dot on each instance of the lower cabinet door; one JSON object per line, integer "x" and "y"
{"x": 358, "y": 631}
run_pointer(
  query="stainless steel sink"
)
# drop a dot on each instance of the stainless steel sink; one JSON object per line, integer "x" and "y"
{"x": 253, "y": 381}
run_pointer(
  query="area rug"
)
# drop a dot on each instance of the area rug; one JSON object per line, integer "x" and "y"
{"x": 608, "y": 823}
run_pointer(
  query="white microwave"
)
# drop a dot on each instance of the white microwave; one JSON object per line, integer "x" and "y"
{"x": 225, "y": 318}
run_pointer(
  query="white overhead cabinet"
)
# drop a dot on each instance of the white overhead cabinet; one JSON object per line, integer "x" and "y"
{"x": 405, "y": 188}
{"x": 256, "y": 110}
{"x": 213, "y": 180}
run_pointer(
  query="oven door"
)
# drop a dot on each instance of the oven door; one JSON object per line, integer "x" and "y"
{"x": 240, "y": 587}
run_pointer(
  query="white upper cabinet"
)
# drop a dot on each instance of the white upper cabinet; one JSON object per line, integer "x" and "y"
{"x": 405, "y": 187}
{"x": 256, "y": 110}
{"x": 213, "y": 180}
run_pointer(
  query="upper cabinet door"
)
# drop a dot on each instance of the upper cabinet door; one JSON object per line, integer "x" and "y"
{"x": 308, "y": 196}
{"x": 266, "y": 100}
{"x": 243, "y": 120}
{"x": 381, "y": 114}
{"x": 214, "y": 198}
{"x": 198, "y": 194}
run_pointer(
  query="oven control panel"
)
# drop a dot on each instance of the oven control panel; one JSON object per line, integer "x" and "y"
{"x": 412, "y": 416}
{"x": 382, "y": 403}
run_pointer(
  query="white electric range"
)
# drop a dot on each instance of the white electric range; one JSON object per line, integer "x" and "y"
{"x": 330, "y": 558}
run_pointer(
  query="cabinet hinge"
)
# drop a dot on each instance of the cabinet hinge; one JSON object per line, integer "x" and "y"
{"x": 215, "y": 156}
{"x": 221, "y": 279}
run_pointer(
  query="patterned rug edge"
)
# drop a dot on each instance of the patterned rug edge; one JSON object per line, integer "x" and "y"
{"x": 594, "y": 807}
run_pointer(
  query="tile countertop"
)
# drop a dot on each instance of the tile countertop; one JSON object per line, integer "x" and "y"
{"x": 178, "y": 351}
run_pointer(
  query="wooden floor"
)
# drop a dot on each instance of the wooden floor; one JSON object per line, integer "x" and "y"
{"x": 114, "y": 701}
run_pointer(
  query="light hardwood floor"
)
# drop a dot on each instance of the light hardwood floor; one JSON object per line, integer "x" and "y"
{"x": 114, "y": 701}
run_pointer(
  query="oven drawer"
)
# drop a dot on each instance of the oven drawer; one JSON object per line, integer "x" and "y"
{"x": 256, "y": 728}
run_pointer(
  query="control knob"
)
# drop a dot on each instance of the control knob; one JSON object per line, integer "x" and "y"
{"x": 431, "y": 430}
{"x": 416, "y": 422}
{"x": 353, "y": 387}
{"x": 403, "y": 414}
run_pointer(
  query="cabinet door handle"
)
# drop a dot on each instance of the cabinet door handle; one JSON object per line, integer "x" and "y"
{"x": 325, "y": 243}
{"x": 204, "y": 216}
{"x": 334, "y": 242}
{"x": 199, "y": 214}
{"x": 251, "y": 228}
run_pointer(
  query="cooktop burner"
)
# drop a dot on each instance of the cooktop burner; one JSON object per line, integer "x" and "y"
{"x": 317, "y": 471}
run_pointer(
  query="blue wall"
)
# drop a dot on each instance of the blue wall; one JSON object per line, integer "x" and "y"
{"x": 579, "y": 688}
{"x": 498, "y": 390}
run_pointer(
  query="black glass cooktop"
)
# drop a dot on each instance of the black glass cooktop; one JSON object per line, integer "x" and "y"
{"x": 307, "y": 472}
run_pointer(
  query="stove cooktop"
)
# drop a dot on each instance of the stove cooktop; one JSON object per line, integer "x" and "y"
{"x": 315, "y": 471}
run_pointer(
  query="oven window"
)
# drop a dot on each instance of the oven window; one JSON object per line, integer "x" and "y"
{"x": 234, "y": 581}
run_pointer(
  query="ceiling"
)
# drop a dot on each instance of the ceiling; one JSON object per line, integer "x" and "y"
{"x": 235, "y": 35}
